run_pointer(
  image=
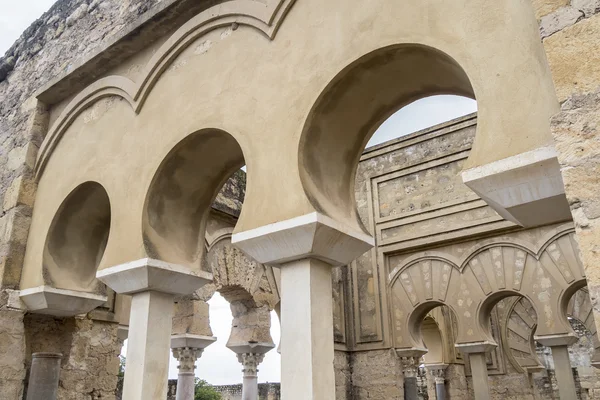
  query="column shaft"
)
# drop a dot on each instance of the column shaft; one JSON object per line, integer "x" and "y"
{"x": 44, "y": 376}
{"x": 480, "y": 376}
{"x": 564, "y": 373}
{"x": 185, "y": 386}
{"x": 148, "y": 346}
{"x": 440, "y": 391}
{"x": 250, "y": 388}
{"x": 307, "y": 331}
{"x": 411, "y": 391}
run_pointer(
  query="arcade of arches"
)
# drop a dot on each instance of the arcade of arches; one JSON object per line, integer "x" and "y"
{"x": 455, "y": 262}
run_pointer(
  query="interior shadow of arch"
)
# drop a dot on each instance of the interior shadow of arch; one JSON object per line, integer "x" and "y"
{"x": 77, "y": 238}
{"x": 353, "y": 105}
{"x": 182, "y": 191}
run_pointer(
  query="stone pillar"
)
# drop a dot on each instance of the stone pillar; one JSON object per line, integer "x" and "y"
{"x": 187, "y": 357}
{"x": 187, "y": 349}
{"x": 305, "y": 248}
{"x": 44, "y": 376}
{"x": 480, "y": 376}
{"x": 410, "y": 367}
{"x": 153, "y": 285}
{"x": 250, "y": 355}
{"x": 477, "y": 352}
{"x": 307, "y": 339}
{"x": 438, "y": 371}
{"x": 562, "y": 365}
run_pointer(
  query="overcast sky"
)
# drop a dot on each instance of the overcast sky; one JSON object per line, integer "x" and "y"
{"x": 218, "y": 365}
{"x": 16, "y": 16}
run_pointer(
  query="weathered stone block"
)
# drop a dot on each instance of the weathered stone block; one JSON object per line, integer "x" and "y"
{"x": 559, "y": 20}
{"x": 21, "y": 191}
{"x": 545, "y": 7}
{"x": 12, "y": 354}
{"x": 574, "y": 58}
{"x": 588, "y": 7}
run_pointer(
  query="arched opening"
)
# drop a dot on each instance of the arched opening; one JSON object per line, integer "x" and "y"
{"x": 229, "y": 368}
{"x": 354, "y": 105}
{"x": 432, "y": 338}
{"x": 488, "y": 305}
{"x": 437, "y": 329}
{"x": 519, "y": 330}
{"x": 77, "y": 239}
{"x": 181, "y": 194}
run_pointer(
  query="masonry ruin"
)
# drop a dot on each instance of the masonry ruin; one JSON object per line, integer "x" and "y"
{"x": 454, "y": 262}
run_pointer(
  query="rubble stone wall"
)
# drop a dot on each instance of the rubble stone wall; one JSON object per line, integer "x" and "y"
{"x": 90, "y": 350}
{"x": 571, "y": 36}
{"x": 377, "y": 375}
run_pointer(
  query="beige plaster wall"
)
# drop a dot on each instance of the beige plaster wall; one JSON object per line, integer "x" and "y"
{"x": 261, "y": 92}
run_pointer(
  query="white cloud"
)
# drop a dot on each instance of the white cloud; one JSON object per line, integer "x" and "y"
{"x": 18, "y": 15}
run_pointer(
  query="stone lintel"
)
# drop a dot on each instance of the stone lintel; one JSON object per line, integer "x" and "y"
{"x": 191, "y": 341}
{"x": 526, "y": 189}
{"x": 148, "y": 274}
{"x": 60, "y": 302}
{"x": 309, "y": 236}
{"x": 251, "y": 348}
{"x": 476, "y": 347}
{"x": 563, "y": 339}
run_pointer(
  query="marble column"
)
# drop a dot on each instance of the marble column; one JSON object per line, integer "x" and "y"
{"x": 186, "y": 356}
{"x": 305, "y": 249}
{"x": 438, "y": 372}
{"x": 44, "y": 376}
{"x": 153, "y": 285}
{"x": 477, "y": 359}
{"x": 250, "y": 355}
{"x": 187, "y": 349}
{"x": 410, "y": 368}
{"x": 562, "y": 364}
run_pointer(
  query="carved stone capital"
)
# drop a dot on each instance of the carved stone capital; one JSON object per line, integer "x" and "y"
{"x": 187, "y": 357}
{"x": 410, "y": 366}
{"x": 439, "y": 375}
{"x": 250, "y": 362}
